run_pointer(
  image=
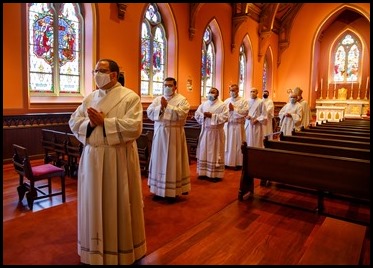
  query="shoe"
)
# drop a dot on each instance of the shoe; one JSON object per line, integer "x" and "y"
{"x": 170, "y": 199}
{"x": 216, "y": 179}
{"x": 157, "y": 197}
{"x": 186, "y": 193}
{"x": 201, "y": 177}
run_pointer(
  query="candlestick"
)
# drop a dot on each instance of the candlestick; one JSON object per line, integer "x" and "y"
{"x": 358, "y": 92}
{"x": 352, "y": 89}
{"x": 321, "y": 93}
{"x": 321, "y": 90}
{"x": 366, "y": 89}
{"x": 366, "y": 86}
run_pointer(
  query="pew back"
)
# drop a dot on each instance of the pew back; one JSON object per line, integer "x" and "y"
{"x": 324, "y": 141}
{"x": 330, "y": 136}
{"x": 318, "y": 149}
{"x": 340, "y": 175}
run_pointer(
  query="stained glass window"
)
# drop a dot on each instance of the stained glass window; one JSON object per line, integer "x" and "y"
{"x": 153, "y": 52}
{"x": 208, "y": 63}
{"x": 54, "y": 45}
{"x": 265, "y": 74}
{"x": 347, "y": 58}
{"x": 242, "y": 74}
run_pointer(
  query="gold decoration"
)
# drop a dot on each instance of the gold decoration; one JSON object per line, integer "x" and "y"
{"x": 342, "y": 93}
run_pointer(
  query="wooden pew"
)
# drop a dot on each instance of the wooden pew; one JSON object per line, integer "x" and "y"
{"x": 342, "y": 127}
{"x": 336, "y": 131}
{"x": 358, "y": 123}
{"x": 324, "y": 141}
{"x": 323, "y": 173}
{"x": 336, "y": 242}
{"x": 330, "y": 136}
{"x": 318, "y": 149}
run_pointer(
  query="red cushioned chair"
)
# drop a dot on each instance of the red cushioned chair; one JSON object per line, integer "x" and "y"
{"x": 34, "y": 174}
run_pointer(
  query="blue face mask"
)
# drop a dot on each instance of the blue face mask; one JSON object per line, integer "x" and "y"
{"x": 293, "y": 100}
{"x": 211, "y": 97}
{"x": 233, "y": 94}
{"x": 168, "y": 91}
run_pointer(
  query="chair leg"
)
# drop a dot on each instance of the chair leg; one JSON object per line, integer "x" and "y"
{"x": 63, "y": 189}
{"x": 21, "y": 189}
{"x": 49, "y": 186}
{"x": 31, "y": 195}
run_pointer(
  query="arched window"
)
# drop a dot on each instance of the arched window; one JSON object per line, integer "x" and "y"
{"x": 347, "y": 57}
{"x": 54, "y": 49}
{"x": 265, "y": 74}
{"x": 153, "y": 52}
{"x": 242, "y": 70}
{"x": 208, "y": 63}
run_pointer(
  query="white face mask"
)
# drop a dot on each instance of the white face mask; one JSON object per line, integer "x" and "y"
{"x": 102, "y": 79}
{"x": 233, "y": 94}
{"x": 168, "y": 91}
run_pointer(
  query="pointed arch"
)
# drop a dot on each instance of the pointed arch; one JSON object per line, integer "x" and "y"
{"x": 212, "y": 58}
{"x": 318, "y": 79}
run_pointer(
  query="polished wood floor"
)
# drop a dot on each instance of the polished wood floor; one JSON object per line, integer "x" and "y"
{"x": 267, "y": 229}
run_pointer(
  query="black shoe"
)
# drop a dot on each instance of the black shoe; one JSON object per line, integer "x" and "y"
{"x": 170, "y": 199}
{"x": 157, "y": 197}
{"x": 186, "y": 193}
{"x": 216, "y": 179}
{"x": 201, "y": 177}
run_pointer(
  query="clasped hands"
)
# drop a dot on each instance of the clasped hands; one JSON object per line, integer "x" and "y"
{"x": 164, "y": 103}
{"x": 96, "y": 118}
{"x": 207, "y": 114}
{"x": 253, "y": 120}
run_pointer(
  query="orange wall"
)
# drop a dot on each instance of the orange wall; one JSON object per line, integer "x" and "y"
{"x": 119, "y": 39}
{"x": 13, "y": 73}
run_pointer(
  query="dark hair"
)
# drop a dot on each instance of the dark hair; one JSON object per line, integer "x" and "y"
{"x": 113, "y": 66}
{"x": 121, "y": 79}
{"x": 217, "y": 90}
{"x": 171, "y": 79}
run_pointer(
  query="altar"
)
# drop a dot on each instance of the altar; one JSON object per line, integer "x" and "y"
{"x": 336, "y": 109}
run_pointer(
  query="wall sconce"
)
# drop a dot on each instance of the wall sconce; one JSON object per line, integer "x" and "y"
{"x": 189, "y": 84}
{"x": 121, "y": 10}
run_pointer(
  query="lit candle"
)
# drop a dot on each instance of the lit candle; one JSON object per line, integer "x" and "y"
{"x": 367, "y": 83}
{"x": 316, "y": 87}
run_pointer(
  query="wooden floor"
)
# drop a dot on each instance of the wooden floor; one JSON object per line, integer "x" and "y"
{"x": 266, "y": 229}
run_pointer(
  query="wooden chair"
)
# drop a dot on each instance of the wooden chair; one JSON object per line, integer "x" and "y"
{"x": 144, "y": 146}
{"x": 48, "y": 141}
{"x": 74, "y": 150}
{"x": 35, "y": 174}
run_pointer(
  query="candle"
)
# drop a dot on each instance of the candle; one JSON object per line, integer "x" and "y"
{"x": 321, "y": 84}
{"x": 335, "y": 85}
{"x": 367, "y": 83}
{"x": 316, "y": 87}
{"x": 352, "y": 86}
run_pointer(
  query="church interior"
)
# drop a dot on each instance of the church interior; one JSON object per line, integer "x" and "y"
{"x": 322, "y": 48}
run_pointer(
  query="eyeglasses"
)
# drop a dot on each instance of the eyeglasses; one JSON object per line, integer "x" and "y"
{"x": 103, "y": 71}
